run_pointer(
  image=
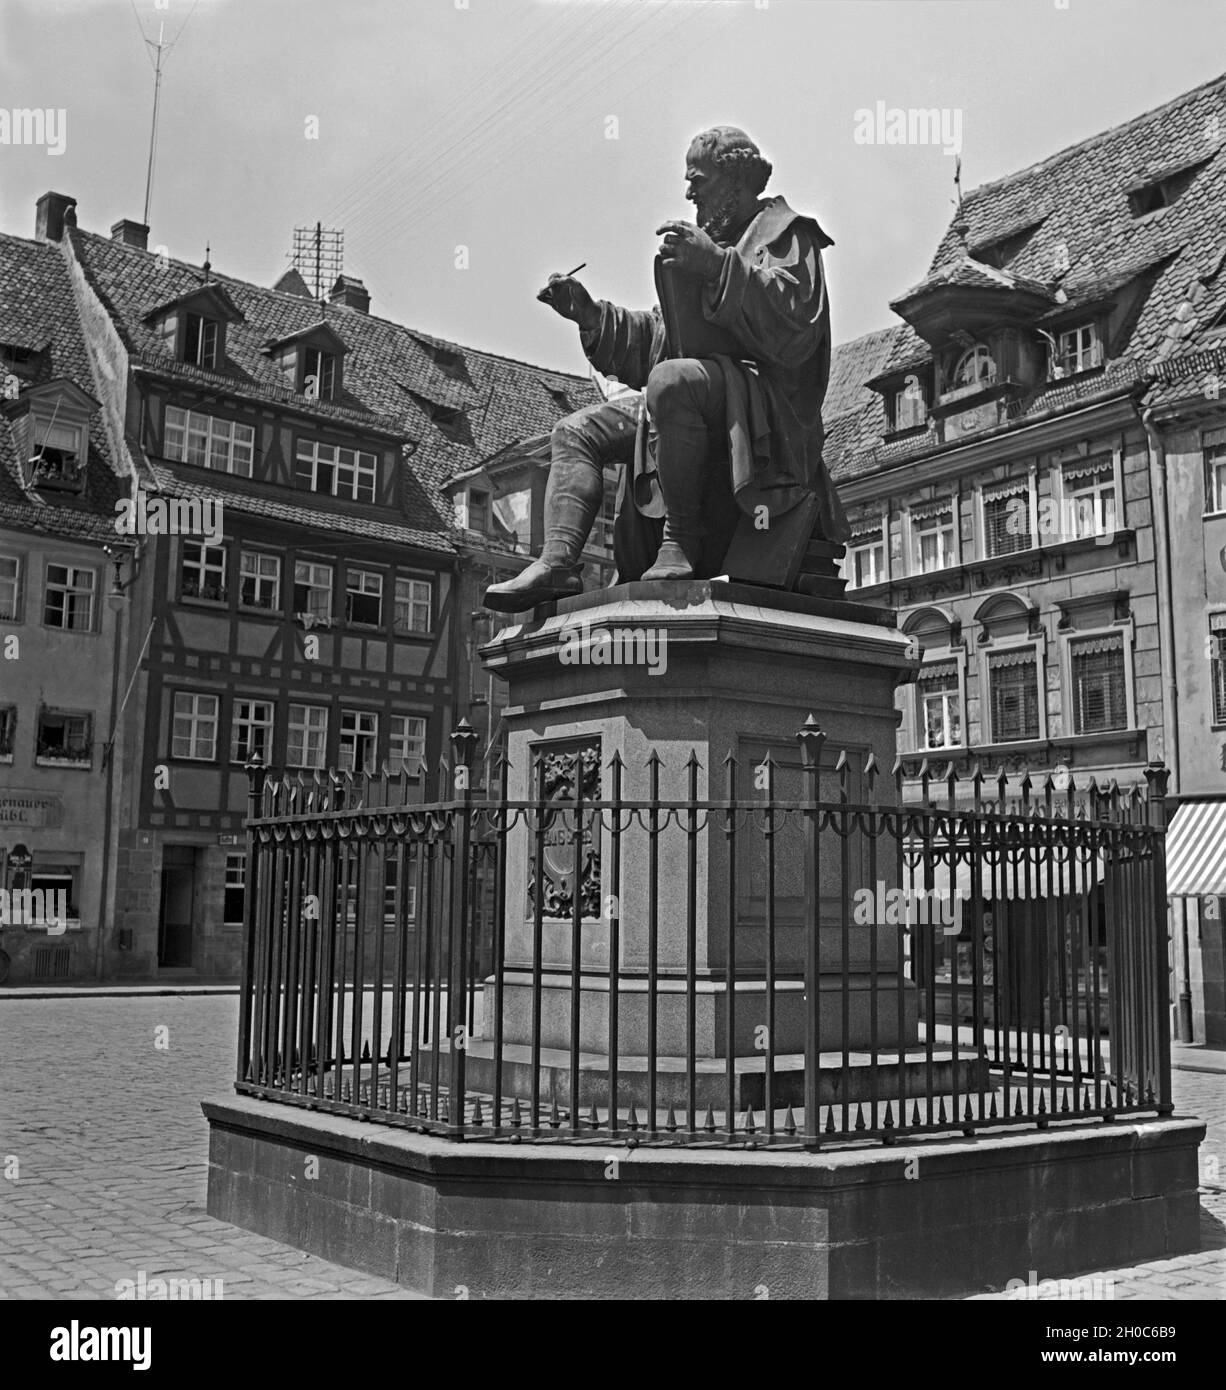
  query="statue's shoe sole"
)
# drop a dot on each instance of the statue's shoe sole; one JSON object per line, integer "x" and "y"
{"x": 526, "y": 598}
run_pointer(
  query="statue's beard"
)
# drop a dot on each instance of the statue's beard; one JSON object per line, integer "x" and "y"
{"x": 721, "y": 219}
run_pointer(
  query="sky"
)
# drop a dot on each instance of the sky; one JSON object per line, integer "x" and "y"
{"x": 467, "y": 148}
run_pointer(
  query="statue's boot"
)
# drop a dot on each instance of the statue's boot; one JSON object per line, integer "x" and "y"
{"x": 572, "y": 500}
{"x": 682, "y": 481}
{"x": 686, "y": 401}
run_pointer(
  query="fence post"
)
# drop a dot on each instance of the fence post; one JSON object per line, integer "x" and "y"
{"x": 463, "y": 744}
{"x": 254, "y": 769}
{"x": 811, "y": 739}
{"x": 1157, "y": 775}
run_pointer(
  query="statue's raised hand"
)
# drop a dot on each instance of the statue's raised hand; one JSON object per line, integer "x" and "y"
{"x": 566, "y": 296}
{"x": 689, "y": 249}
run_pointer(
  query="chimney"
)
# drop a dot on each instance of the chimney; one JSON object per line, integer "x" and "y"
{"x": 131, "y": 233}
{"x": 51, "y": 215}
{"x": 350, "y": 292}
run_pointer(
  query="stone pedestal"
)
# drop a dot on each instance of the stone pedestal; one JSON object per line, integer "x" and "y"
{"x": 674, "y": 678}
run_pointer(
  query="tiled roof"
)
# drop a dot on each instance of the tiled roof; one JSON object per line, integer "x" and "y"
{"x": 270, "y": 502}
{"x": 1086, "y": 238}
{"x": 393, "y": 382}
{"x": 37, "y": 311}
{"x": 965, "y": 271}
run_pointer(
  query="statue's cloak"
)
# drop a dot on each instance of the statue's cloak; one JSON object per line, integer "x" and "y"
{"x": 770, "y": 297}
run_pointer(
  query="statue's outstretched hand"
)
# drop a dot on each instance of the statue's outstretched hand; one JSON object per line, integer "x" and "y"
{"x": 690, "y": 250}
{"x": 566, "y": 296}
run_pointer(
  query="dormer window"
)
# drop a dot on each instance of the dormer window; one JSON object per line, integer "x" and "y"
{"x": 318, "y": 374}
{"x": 193, "y": 326}
{"x": 1160, "y": 188}
{"x": 200, "y": 341}
{"x": 908, "y": 407}
{"x": 51, "y": 423}
{"x": 451, "y": 422}
{"x": 312, "y": 361}
{"x": 974, "y": 368}
{"x": 1077, "y": 350}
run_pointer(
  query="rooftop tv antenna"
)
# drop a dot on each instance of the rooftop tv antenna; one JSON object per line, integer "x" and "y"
{"x": 319, "y": 256}
{"x": 159, "y": 51}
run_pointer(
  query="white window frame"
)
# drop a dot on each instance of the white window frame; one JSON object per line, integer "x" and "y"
{"x": 208, "y": 441}
{"x": 407, "y": 743}
{"x": 248, "y": 715}
{"x": 86, "y": 720}
{"x": 11, "y": 592}
{"x": 325, "y": 365}
{"x": 235, "y": 880}
{"x": 866, "y": 544}
{"x": 195, "y": 720}
{"x": 311, "y": 734}
{"x": 358, "y": 726}
{"x": 313, "y": 456}
{"x": 313, "y": 570}
{"x": 251, "y": 565}
{"x": 1124, "y": 634}
{"x": 80, "y": 584}
{"x": 1078, "y": 349}
{"x": 414, "y": 603}
{"x": 205, "y": 354}
{"x": 1214, "y": 447}
{"x": 1070, "y": 492}
{"x": 980, "y": 352}
{"x": 365, "y": 579}
{"x": 209, "y": 560}
{"x": 986, "y": 717}
{"x": 917, "y": 528}
{"x": 956, "y": 696}
{"x": 987, "y": 493}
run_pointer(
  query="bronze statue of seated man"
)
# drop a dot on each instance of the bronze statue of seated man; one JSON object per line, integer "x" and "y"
{"x": 729, "y": 374}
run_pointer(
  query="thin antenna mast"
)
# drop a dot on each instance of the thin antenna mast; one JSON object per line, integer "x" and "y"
{"x": 162, "y": 50}
{"x": 153, "y": 132}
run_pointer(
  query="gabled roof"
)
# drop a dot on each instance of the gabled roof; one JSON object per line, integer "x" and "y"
{"x": 321, "y": 330}
{"x": 54, "y": 386}
{"x": 503, "y": 398}
{"x": 209, "y": 290}
{"x": 1091, "y": 242}
{"x": 38, "y": 310}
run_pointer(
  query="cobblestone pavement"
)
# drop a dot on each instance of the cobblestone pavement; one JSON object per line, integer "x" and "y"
{"x": 112, "y": 1155}
{"x": 1198, "y": 1276}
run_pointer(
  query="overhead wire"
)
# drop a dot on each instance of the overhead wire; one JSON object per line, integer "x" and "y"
{"x": 428, "y": 206}
{"x": 477, "y": 138}
{"x": 423, "y": 195}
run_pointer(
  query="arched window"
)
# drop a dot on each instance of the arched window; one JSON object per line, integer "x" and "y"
{"x": 975, "y": 368}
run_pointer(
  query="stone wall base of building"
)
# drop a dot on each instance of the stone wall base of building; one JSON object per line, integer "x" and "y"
{"x": 484, "y": 1220}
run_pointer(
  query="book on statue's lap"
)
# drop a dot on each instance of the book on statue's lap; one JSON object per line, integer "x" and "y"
{"x": 690, "y": 332}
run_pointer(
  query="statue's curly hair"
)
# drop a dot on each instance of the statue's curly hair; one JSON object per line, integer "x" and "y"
{"x": 731, "y": 150}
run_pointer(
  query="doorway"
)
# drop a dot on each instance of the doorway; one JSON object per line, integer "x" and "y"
{"x": 176, "y": 922}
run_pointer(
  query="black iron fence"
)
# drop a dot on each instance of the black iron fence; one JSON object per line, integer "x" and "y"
{"x": 773, "y": 951}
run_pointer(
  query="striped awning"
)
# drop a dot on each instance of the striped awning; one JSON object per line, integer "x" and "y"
{"x": 1196, "y": 850}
